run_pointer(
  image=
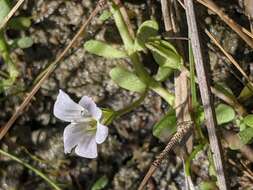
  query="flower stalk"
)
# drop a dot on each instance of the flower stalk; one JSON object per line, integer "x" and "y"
{"x": 134, "y": 57}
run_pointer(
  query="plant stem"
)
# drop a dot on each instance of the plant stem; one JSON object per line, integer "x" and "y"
{"x": 133, "y": 55}
{"x": 39, "y": 173}
{"x": 132, "y": 106}
{"x": 191, "y": 157}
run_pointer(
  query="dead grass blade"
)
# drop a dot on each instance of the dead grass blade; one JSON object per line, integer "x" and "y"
{"x": 50, "y": 69}
{"x": 204, "y": 86}
{"x": 183, "y": 129}
{"x": 233, "y": 25}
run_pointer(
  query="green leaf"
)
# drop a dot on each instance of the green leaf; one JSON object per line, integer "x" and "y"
{"x": 166, "y": 127}
{"x": 127, "y": 79}
{"x": 5, "y": 9}
{"x": 147, "y": 30}
{"x": 24, "y": 42}
{"x": 163, "y": 73}
{"x": 105, "y": 15}
{"x": 245, "y": 94}
{"x": 248, "y": 120}
{"x": 107, "y": 116}
{"x": 20, "y": 23}
{"x": 199, "y": 114}
{"x": 165, "y": 54}
{"x": 102, "y": 49}
{"x": 246, "y": 135}
{"x": 100, "y": 183}
{"x": 224, "y": 114}
{"x": 208, "y": 185}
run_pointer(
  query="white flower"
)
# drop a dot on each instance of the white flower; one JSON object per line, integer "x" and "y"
{"x": 85, "y": 131}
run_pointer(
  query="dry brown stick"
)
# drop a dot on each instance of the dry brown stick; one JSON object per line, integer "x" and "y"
{"x": 204, "y": 86}
{"x": 166, "y": 15}
{"x": 51, "y": 68}
{"x": 11, "y": 13}
{"x": 230, "y": 101}
{"x": 125, "y": 17}
{"x": 236, "y": 27}
{"x": 183, "y": 129}
{"x": 247, "y": 32}
{"x": 181, "y": 81}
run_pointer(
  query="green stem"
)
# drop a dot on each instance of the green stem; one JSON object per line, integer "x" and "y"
{"x": 192, "y": 78}
{"x": 125, "y": 110}
{"x": 132, "y": 106}
{"x": 12, "y": 70}
{"x": 43, "y": 176}
{"x": 191, "y": 157}
{"x": 137, "y": 64}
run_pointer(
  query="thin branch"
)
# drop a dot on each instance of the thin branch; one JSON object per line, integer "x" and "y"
{"x": 211, "y": 122}
{"x": 50, "y": 69}
{"x": 247, "y": 32}
{"x": 230, "y": 101}
{"x": 125, "y": 16}
{"x": 233, "y": 25}
{"x": 183, "y": 130}
{"x": 11, "y": 13}
{"x": 166, "y": 15}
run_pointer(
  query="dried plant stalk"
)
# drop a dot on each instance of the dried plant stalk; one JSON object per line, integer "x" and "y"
{"x": 204, "y": 86}
{"x": 183, "y": 130}
{"x": 233, "y": 25}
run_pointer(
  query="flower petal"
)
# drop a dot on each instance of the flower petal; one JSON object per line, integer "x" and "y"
{"x": 66, "y": 109}
{"x": 72, "y": 135}
{"x": 91, "y": 106}
{"x": 87, "y": 147}
{"x": 101, "y": 134}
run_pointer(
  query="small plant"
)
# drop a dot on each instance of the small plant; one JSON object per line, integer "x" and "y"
{"x": 9, "y": 74}
{"x": 138, "y": 79}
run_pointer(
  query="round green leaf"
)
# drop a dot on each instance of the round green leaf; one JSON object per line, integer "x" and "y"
{"x": 246, "y": 135}
{"x": 148, "y": 29}
{"x": 127, "y": 80}
{"x": 248, "y": 120}
{"x": 5, "y": 9}
{"x": 166, "y": 127}
{"x": 163, "y": 73}
{"x": 24, "y": 42}
{"x": 224, "y": 114}
{"x": 165, "y": 54}
{"x": 103, "y": 49}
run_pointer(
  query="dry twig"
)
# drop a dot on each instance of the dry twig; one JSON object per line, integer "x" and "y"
{"x": 183, "y": 129}
{"x": 211, "y": 122}
{"x": 233, "y": 25}
{"x": 166, "y": 15}
{"x": 50, "y": 69}
{"x": 125, "y": 17}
